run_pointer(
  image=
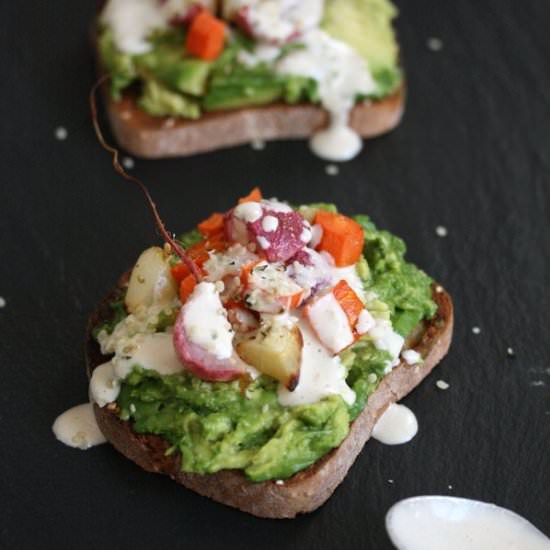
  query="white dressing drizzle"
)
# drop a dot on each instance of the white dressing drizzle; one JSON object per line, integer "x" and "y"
{"x": 321, "y": 374}
{"x": 149, "y": 351}
{"x": 341, "y": 74}
{"x": 397, "y": 425}
{"x": 77, "y": 427}
{"x": 435, "y": 522}
{"x": 205, "y": 321}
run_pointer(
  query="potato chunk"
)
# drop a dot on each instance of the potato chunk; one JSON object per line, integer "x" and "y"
{"x": 276, "y": 350}
{"x": 151, "y": 281}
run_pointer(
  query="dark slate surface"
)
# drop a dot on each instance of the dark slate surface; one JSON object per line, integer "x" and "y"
{"x": 472, "y": 154}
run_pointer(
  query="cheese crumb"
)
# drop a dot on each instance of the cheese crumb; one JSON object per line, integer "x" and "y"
{"x": 390, "y": 480}
{"x": 441, "y": 231}
{"x": 411, "y": 356}
{"x": 442, "y": 385}
{"x": 332, "y": 169}
{"x": 434, "y": 44}
{"x": 263, "y": 242}
{"x": 439, "y": 289}
{"x": 280, "y": 482}
{"x": 476, "y": 330}
{"x": 270, "y": 224}
{"x": 61, "y": 133}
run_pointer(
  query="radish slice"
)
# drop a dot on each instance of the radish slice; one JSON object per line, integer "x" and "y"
{"x": 203, "y": 337}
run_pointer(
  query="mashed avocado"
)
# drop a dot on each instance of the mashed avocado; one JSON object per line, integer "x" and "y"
{"x": 216, "y": 426}
{"x": 171, "y": 82}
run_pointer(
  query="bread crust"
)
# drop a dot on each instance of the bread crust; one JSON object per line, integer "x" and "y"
{"x": 148, "y": 136}
{"x": 309, "y": 488}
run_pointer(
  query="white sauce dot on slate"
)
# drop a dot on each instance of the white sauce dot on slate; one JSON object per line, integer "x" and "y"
{"x": 2, "y": 302}
{"x": 128, "y": 163}
{"x": 442, "y": 385}
{"x": 332, "y": 169}
{"x": 434, "y": 44}
{"x": 441, "y": 231}
{"x": 476, "y": 330}
{"x": 61, "y": 133}
{"x": 257, "y": 144}
{"x": 510, "y": 352}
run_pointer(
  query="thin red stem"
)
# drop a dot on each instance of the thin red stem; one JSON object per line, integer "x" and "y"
{"x": 191, "y": 265}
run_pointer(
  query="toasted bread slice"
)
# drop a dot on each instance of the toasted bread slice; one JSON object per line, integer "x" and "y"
{"x": 306, "y": 490}
{"x": 148, "y": 136}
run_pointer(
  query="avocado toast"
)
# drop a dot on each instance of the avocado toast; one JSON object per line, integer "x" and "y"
{"x": 263, "y": 69}
{"x": 232, "y": 385}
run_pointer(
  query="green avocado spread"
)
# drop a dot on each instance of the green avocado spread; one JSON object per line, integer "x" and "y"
{"x": 170, "y": 81}
{"x": 228, "y": 425}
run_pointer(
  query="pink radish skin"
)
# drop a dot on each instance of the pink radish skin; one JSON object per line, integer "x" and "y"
{"x": 200, "y": 362}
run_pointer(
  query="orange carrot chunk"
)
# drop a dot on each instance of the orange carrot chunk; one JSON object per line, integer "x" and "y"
{"x": 254, "y": 196}
{"x": 211, "y": 225}
{"x": 179, "y": 272}
{"x": 186, "y": 287}
{"x": 349, "y": 301}
{"x": 206, "y": 36}
{"x": 342, "y": 237}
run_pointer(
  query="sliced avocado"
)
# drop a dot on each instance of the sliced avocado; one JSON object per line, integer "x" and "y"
{"x": 234, "y": 97}
{"x": 188, "y": 76}
{"x": 167, "y": 64}
{"x": 157, "y": 100}
{"x": 366, "y": 25}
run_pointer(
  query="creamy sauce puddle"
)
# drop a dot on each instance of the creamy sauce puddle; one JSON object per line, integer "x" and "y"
{"x": 397, "y": 425}
{"x": 436, "y": 522}
{"x": 77, "y": 427}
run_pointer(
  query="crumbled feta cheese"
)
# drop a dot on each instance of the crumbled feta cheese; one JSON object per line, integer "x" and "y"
{"x": 411, "y": 356}
{"x": 263, "y": 242}
{"x": 248, "y": 212}
{"x": 270, "y": 223}
{"x": 365, "y": 322}
{"x": 316, "y": 235}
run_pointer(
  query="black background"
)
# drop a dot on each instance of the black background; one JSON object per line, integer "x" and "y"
{"x": 472, "y": 154}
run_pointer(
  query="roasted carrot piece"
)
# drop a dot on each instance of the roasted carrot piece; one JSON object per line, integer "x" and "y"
{"x": 186, "y": 287}
{"x": 254, "y": 196}
{"x": 343, "y": 237}
{"x": 206, "y": 36}
{"x": 179, "y": 272}
{"x": 349, "y": 301}
{"x": 211, "y": 225}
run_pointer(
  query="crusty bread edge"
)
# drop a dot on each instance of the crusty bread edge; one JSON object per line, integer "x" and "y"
{"x": 308, "y": 489}
{"x": 147, "y": 136}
